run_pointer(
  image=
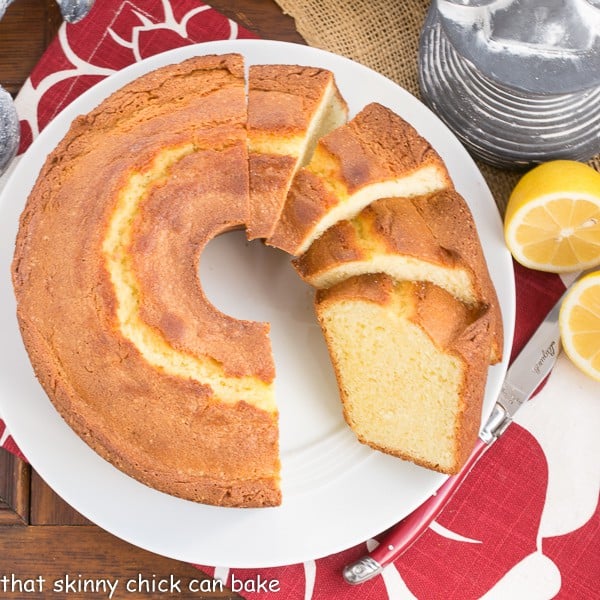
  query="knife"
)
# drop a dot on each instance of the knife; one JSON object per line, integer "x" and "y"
{"x": 528, "y": 370}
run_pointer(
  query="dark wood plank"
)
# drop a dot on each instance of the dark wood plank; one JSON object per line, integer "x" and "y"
{"x": 263, "y": 17}
{"x": 14, "y": 489}
{"x": 87, "y": 552}
{"x": 26, "y": 29}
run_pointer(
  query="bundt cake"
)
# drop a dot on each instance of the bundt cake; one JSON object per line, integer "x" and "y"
{"x": 375, "y": 155}
{"x": 179, "y": 395}
{"x": 141, "y": 365}
{"x": 289, "y": 109}
{"x": 424, "y": 238}
{"x": 411, "y": 363}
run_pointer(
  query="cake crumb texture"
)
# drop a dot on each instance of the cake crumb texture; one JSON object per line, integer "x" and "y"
{"x": 411, "y": 363}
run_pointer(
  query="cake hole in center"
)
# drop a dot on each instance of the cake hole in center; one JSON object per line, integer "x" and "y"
{"x": 248, "y": 280}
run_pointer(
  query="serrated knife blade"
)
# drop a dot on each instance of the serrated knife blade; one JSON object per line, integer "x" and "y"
{"x": 529, "y": 369}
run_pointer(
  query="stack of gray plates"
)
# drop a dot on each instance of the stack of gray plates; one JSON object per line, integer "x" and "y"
{"x": 517, "y": 81}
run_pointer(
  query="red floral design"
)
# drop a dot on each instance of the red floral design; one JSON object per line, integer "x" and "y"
{"x": 115, "y": 35}
{"x": 577, "y": 560}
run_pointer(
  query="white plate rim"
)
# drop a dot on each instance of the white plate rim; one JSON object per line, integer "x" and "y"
{"x": 237, "y": 541}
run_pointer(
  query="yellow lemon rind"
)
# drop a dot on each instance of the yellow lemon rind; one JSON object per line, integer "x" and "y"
{"x": 517, "y": 217}
{"x": 572, "y": 300}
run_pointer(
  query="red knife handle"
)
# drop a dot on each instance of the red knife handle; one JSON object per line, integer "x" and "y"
{"x": 407, "y": 531}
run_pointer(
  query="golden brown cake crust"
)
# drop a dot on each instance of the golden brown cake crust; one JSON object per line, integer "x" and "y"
{"x": 172, "y": 433}
{"x": 391, "y": 224}
{"x": 436, "y": 228}
{"x": 282, "y": 98}
{"x": 451, "y": 222}
{"x": 270, "y": 179}
{"x": 171, "y": 230}
{"x": 375, "y": 146}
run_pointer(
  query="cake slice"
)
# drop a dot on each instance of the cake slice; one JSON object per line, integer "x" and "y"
{"x": 376, "y": 155}
{"x": 289, "y": 108}
{"x": 411, "y": 364}
{"x": 426, "y": 238}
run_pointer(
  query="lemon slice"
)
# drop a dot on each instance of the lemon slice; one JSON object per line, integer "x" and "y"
{"x": 579, "y": 322}
{"x": 552, "y": 220}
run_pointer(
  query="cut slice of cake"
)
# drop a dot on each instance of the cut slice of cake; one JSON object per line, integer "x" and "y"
{"x": 426, "y": 238}
{"x": 289, "y": 108}
{"x": 411, "y": 363}
{"x": 376, "y": 155}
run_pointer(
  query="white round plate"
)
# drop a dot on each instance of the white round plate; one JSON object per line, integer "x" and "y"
{"x": 337, "y": 493}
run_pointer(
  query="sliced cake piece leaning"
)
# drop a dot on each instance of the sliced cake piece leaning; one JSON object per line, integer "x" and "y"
{"x": 411, "y": 363}
{"x": 375, "y": 155}
{"x": 289, "y": 108}
{"x": 426, "y": 238}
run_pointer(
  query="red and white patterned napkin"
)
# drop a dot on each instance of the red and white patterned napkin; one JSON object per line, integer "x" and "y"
{"x": 526, "y": 524}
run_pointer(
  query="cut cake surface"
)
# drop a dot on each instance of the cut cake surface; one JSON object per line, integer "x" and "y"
{"x": 289, "y": 109}
{"x": 425, "y": 238}
{"x": 375, "y": 155}
{"x": 411, "y": 364}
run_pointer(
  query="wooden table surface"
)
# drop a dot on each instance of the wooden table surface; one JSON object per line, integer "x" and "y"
{"x": 40, "y": 535}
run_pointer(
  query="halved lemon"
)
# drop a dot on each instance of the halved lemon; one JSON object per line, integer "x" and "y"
{"x": 579, "y": 322}
{"x": 552, "y": 220}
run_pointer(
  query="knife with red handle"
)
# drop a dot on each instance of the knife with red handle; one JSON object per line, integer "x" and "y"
{"x": 528, "y": 370}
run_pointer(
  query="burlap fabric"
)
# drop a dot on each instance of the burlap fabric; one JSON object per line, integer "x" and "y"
{"x": 383, "y": 35}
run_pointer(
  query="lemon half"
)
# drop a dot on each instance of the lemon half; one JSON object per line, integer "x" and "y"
{"x": 552, "y": 220}
{"x": 579, "y": 322}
